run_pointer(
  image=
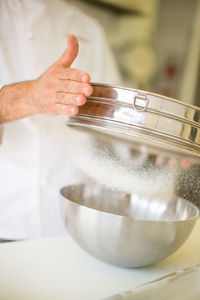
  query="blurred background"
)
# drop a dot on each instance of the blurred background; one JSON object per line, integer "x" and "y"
{"x": 156, "y": 43}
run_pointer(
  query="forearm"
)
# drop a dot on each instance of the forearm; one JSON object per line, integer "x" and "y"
{"x": 16, "y": 101}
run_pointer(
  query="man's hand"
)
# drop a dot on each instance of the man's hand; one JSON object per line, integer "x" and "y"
{"x": 61, "y": 89}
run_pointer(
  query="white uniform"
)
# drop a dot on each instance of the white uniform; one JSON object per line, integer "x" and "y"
{"x": 34, "y": 160}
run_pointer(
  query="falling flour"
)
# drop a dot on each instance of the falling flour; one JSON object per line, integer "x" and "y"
{"x": 103, "y": 163}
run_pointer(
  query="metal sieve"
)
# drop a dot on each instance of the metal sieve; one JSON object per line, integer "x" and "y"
{"x": 152, "y": 129}
{"x": 141, "y": 114}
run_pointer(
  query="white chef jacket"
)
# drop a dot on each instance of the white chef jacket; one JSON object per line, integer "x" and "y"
{"x": 34, "y": 161}
{"x": 1, "y": 133}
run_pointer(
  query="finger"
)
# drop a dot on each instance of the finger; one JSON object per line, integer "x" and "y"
{"x": 74, "y": 74}
{"x": 159, "y": 160}
{"x": 185, "y": 164}
{"x": 62, "y": 109}
{"x": 75, "y": 99}
{"x": 172, "y": 163}
{"x": 74, "y": 87}
{"x": 70, "y": 53}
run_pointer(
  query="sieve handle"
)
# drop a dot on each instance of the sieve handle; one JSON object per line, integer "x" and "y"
{"x": 145, "y": 102}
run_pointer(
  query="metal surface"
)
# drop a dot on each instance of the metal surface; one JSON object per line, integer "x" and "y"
{"x": 153, "y": 117}
{"x": 123, "y": 229}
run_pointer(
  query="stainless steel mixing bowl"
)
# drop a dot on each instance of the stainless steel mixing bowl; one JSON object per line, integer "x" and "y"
{"x": 123, "y": 229}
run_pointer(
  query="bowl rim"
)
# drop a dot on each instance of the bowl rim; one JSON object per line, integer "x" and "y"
{"x": 193, "y": 218}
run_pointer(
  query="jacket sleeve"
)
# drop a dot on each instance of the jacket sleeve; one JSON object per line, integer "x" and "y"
{"x": 1, "y": 134}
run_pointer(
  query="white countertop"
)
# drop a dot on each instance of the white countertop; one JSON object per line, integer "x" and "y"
{"x": 58, "y": 269}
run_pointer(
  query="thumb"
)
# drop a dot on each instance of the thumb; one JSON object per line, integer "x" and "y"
{"x": 70, "y": 53}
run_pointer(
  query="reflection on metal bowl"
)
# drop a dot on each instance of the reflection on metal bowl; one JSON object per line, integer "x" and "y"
{"x": 123, "y": 229}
